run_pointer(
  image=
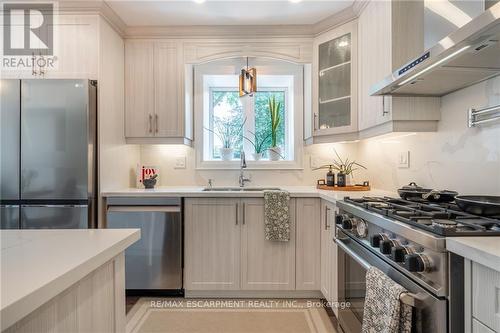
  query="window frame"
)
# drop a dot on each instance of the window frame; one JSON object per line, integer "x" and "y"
{"x": 294, "y": 120}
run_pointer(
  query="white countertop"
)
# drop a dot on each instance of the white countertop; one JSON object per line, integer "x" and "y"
{"x": 37, "y": 265}
{"x": 197, "y": 191}
{"x": 483, "y": 250}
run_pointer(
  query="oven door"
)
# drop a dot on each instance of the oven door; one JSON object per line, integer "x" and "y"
{"x": 429, "y": 312}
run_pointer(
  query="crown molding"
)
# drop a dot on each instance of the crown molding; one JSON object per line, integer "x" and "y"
{"x": 219, "y": 31}
{"x": 93, "y": 7}
{"x": 213, "y": 31}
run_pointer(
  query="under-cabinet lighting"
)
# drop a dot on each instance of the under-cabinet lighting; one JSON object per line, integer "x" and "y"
{"x": 295, "y": 1}
{"x": 413, "y": 77}
{"x": 199, "y": 1}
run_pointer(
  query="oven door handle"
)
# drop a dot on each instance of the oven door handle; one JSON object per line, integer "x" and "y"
{"x": 407, "y": 298}
{"x": 353, "y": 254}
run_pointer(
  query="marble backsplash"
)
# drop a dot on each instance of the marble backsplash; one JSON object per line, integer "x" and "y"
{"x": 455, "y": 157}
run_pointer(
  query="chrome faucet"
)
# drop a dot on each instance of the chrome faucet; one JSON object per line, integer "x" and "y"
{"x": 243, "y": 165}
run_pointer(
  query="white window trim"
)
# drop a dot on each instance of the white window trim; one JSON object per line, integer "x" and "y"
{"x": 264, "y": 67}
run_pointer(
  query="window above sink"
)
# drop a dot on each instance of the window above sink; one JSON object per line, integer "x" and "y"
{"x": 218, "y": 107}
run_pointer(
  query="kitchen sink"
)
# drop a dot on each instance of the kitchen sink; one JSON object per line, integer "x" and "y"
{"x": 240, "y": 189}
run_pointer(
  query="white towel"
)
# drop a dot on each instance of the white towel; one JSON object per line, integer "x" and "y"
{"x": 383, "y": 311}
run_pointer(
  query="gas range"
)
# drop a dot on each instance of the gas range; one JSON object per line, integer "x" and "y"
{"x": 407, "y": 241}
{"x": 445, "y": 219}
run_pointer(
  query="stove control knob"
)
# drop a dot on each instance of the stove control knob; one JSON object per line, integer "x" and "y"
{"x": 339, "y": 218}
{"x": 398, "y": 253}
{"x": 386, "y": 246}
{"x": 416, "y": 262}
{"x": 347, "y": 223}
{"x": 376, "y": 239}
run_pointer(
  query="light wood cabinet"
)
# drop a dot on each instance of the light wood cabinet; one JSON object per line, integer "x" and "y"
{"x": 486, "y": 296}
{"x": 212, "y": 244}
{"x": 76, "y": 51}
{"x": 335, "y": 63}
{"x": 155, "y": 92}
{"x": 308, "y": 243}
{"x": 390, "y": 34}
{"x": 265, "y": 265}
{"x": 226, "y": 249}
{"x": 139, "y": 89}
{"x": 328, "y": 255}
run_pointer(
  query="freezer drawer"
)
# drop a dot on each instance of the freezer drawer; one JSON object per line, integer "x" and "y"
{"x": 54, "y": 217}
{"x": 9, "y": 217}
{"x": 155, "y": 261}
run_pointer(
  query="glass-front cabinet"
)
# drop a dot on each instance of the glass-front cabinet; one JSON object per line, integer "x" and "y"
{"x": 334, "y": 81}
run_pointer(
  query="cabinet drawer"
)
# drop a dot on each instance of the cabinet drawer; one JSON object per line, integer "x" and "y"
{"x": 478, "y": 327}
{"x": 486, "y": 296}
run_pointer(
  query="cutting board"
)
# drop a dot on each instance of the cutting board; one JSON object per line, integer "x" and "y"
{"x": 345, "y": 188}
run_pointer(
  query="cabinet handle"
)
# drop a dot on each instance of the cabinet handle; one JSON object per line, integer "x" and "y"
{"x": 156, "y": 123}
{"x": 237, "y": 205}
{"x": 384, "y": 111}
{"x": 150, "y": 123}
{"x": 243, "y": 213}
{"x": 327, "y": 209}
{"x": 314, "y": 121}
{"x": 33, "y": 70}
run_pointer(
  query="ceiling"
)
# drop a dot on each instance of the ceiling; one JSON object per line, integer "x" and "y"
{"x": 225, "y": 12}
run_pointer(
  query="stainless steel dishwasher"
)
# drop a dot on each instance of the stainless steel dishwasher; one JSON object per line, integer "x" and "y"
{"x": 153, "y": 265}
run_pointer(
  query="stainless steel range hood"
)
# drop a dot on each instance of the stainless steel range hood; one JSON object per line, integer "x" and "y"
{"x": 469, "y": 55}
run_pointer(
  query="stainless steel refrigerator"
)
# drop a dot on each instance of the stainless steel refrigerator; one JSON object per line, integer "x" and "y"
{"x": 48, "y": 157}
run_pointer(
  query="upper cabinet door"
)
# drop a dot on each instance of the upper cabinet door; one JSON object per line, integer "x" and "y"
{"x": 375, "y": 62}
{"x": 139, "y": 89}
{"x": 334, "y": 84}
{"x": 169, "y": 117}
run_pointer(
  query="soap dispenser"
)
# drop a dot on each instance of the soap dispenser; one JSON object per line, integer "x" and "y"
{"x": 330, "y": 177}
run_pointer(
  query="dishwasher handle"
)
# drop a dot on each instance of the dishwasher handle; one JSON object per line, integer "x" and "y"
{"x": 130, "y": 209}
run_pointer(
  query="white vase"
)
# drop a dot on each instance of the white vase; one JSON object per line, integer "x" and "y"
{"x": 257, "y": 156}
{"x": 226, "y": 154}
{"x": 275, "y": 153}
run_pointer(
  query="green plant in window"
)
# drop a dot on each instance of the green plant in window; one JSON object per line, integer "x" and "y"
{"x": 274, "y": 109}
{"x": 228, "y": 132}
{"x": 259, "y": 142}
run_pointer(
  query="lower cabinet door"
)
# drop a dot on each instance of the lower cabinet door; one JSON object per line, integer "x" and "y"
{"x": 308, "y": 240}
{"x": 212, "y": 244}
{"x": 265, "y": 265}
{"x": 325, "y": 251}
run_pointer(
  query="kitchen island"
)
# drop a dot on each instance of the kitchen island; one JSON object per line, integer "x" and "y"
{"x": 63, "y": 280}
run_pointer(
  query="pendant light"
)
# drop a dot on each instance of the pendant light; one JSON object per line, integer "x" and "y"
{"x": 248, "y": 81}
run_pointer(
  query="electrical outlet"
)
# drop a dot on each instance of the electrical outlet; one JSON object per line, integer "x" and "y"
{"x": 404, "y": 160}
{"x": 180, "y": 162}
{"x": 315, "y": 162}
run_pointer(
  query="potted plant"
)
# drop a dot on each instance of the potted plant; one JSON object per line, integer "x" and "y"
{"x": 344, "y": 169}
{"x": 274, "y": 110}
{"x": 228, "y": 133}
{"x": 258, "y": 144}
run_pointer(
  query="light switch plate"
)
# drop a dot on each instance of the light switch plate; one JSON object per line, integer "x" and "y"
{"x": 180, "y": 162}
{"x": 404, "y": 160}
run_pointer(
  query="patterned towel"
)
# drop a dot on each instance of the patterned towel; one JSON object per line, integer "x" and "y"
{"x": 277, "y": 215}
{"x": 383, "y": 311}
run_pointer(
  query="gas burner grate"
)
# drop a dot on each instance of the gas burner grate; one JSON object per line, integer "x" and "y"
{"x": 444, "y": 219}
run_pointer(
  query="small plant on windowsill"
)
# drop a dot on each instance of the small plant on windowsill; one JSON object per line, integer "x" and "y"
{"x": 229, "y": 134}
{"x": 274, "y": 110}
{"x": 258, "y": 144}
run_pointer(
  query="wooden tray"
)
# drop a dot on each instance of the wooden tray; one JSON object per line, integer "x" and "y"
{"x": 345, "y": 188}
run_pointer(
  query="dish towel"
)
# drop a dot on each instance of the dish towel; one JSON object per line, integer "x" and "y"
{"x": 383, "y": 311}
{"x": 277, "y": 215}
